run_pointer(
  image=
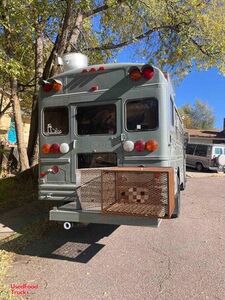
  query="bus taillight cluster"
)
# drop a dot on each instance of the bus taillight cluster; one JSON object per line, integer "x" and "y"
{"x": 54, "y": 85}
{"x": 55, "y": 148}
{"x": 141, "y": 146}
{"x": 146, "y": 72}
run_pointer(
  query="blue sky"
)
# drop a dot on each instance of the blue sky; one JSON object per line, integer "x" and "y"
{"x": 208, "y": 86}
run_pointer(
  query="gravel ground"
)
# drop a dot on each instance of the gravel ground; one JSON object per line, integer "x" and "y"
{"x": 182, "y": 259}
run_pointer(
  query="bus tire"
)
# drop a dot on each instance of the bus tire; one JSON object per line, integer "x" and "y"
{"x": 199, "y": 167}
{"x": 176, "y": 212}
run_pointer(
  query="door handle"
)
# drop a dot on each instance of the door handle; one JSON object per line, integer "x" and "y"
{"x": 123, "y": 137}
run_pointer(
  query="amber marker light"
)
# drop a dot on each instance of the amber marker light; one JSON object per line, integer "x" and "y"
{"x": 57, "y": 85}
{"x": 46, "y": 148}
{"x": 135, "y": 73}
{"x": 151, "y": 145}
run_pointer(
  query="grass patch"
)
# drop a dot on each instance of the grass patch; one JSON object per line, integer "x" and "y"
{"x": 18, "y": 190}
{"x": 6, "y": 259}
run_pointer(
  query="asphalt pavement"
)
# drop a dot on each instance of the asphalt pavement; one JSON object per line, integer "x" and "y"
{"x": 182, "y": 259}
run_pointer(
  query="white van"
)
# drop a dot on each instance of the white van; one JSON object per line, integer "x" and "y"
{"x": 206, "y": 156}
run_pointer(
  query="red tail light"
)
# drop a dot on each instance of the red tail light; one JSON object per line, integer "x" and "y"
{"x": 55, "y": 148}
{"x": 135, "y": 73}
{"x": 147, "y": 72}
{"x": 139, "y": 146}
{"x": 93, "y": 70}
{"x": 151, "y": 145}
{"x": 47, "y": 86}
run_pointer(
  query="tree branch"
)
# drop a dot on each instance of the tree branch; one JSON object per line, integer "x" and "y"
{"x": 5, "y": 109}
{"x": 112, "y": 46}
{"x": 201, "y": 48}
{"x": 98, "y": 9}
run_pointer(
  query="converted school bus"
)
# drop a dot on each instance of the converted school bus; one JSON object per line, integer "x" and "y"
{"x": 111, "y": 144}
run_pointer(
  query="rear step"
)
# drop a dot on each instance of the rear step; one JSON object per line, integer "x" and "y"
{"x": 69, "y": 213}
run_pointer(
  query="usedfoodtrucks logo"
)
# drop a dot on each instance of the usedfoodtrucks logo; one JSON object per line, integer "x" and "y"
{"x": 23, "y": 289}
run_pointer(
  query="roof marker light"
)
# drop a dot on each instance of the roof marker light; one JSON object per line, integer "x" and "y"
{"x": 92, "y": 70}
{"x": 101, "y": 68}
{"x": 94, "y": 88}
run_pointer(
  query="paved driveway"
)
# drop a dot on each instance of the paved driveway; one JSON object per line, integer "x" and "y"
{"x": 182, "y": 259}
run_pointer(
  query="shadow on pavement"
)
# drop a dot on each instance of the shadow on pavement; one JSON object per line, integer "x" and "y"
{"x": 79, "y": 244}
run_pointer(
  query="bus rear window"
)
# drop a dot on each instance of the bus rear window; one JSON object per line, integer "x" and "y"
{"x": 142, "y": 114}
{"x": 98, "y": 119}
{"x": 56, "y": 121}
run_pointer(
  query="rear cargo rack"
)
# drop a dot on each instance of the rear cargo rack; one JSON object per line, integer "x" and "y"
{"x": 130, "y": 191}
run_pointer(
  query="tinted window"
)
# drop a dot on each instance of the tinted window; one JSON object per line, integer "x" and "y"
{"x": 171, "y": 112}
{"x": 99, "y": 119}
{"x": 96, "y": 160}
{"x": 142, "y": 114}
{"x": 201, "y": 150}
{"x": 56, "y": 121}
{"x": 218, "y": 151}
{"x": 190, "y": 149}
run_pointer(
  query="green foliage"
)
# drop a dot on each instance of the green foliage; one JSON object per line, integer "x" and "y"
{"x": 197, "y": 116}
{"x": 172, "y": 34}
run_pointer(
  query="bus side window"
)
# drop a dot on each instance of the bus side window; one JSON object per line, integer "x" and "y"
{"x": 171, "y": 112}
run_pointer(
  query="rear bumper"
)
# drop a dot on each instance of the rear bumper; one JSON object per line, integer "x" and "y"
{"x": 63, "y": 214}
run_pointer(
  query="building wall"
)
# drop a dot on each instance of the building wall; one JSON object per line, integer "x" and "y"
{"x": 202, "y": 140}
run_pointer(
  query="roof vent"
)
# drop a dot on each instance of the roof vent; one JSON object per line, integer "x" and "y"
{"x": 71, "y": 61}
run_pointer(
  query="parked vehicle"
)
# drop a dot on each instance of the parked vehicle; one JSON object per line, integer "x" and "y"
{"x": 111, "y": 144}
{"x": 206, "y": 156}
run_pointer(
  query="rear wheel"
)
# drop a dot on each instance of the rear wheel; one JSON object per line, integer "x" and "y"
{"x": 199, "y": 167}
{"x": 176, "y": 212}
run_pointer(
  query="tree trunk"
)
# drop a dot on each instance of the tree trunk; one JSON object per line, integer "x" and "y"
{"x": 33, "y": 135}
{"x": 24, "y": 163}
{"x": 75, "y": 33}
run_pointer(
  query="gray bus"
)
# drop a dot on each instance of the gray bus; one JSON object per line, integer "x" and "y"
{"x": 111, "y": 145}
